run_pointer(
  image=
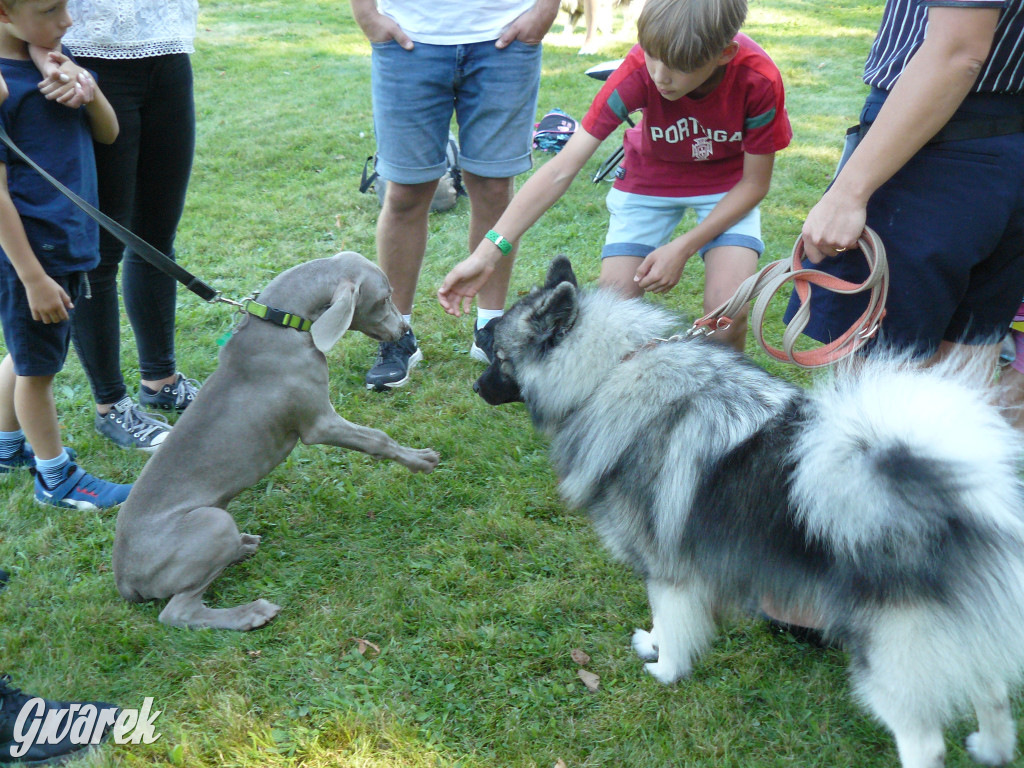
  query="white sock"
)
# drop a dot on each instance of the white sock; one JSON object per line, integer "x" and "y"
{"x": 483, "y": 316}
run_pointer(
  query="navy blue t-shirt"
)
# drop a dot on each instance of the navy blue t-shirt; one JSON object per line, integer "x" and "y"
{"x": 62, "y": 237}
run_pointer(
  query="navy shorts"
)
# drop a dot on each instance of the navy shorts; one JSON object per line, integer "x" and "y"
{"x": 952, "y": 222}
{"x": 38, "y": 349}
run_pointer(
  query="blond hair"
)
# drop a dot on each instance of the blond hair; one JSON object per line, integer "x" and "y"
{"x": 687, "y": 34}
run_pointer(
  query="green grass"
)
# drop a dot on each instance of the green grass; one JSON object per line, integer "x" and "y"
{"x": 475, "y": 582}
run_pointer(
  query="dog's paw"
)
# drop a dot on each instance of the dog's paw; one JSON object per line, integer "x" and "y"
{"x": 988, "y": 752}
{"x": 260, "y": 613}
{"x": 644, "y": 645}
{"x": 421, "y": 460}
{"x": 249, "y": 543}
{"x": 666, "y": 672}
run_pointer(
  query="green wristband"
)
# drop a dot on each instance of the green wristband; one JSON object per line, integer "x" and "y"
{"x": 503, "y": 245}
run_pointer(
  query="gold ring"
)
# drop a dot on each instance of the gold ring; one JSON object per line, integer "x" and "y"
{"x": 840, "y": 250}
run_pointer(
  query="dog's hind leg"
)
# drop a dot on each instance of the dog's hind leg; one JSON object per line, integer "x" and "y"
{"x": 209, "y": 542}
{"x": 186, "y": 609}
{"x": 898, "y": 690}
{"x": 682, "y": 627}
{"x": 995, "y": 741}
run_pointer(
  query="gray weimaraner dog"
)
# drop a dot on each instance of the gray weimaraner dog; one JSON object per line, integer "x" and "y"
{"x": 268, "y": 392}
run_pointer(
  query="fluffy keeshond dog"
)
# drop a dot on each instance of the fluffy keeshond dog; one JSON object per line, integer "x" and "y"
{"x": 884, "y": 501}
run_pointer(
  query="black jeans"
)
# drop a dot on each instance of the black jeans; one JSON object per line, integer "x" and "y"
{"x": 143, "y": 177}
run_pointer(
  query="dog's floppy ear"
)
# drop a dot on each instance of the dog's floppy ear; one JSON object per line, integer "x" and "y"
{"x": 336, "y": 319}
{"x": 560, "y": 271}
{"x": 556, "y": 314}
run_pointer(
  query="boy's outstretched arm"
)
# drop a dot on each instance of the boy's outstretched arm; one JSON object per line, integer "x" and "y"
{"x": 48, "y": 302}
{"x": 661, "y": 269}
{"x": 539, "y": 193}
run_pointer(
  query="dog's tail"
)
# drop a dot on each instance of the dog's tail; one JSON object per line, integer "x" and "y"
{"x": 890, "y": 437}
{"x": 909, "y": 476}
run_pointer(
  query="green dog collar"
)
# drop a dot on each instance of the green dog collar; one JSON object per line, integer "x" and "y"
{"x": 276, "y": 316}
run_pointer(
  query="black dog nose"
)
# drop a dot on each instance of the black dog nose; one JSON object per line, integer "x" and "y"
{"x": 476, "y": 386}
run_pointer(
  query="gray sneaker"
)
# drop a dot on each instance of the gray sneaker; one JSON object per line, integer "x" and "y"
{"x": 171, "y": 397}
{"x": 131, "y": 427}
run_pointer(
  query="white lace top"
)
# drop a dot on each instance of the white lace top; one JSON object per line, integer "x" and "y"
{"x": 131, "y": 29}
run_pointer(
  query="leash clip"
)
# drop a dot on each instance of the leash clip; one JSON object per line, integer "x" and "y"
{"x": 707, "y": 326}
{"x": 242, "y": 306}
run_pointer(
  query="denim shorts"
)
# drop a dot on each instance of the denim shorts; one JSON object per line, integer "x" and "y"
{"x": 640, "y": 223}
{"x": 38, "y": 349}
{"x": 952, "y": 222}
{"x": 492, "y": 92}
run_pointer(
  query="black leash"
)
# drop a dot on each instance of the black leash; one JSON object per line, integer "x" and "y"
{"x": 159, "y": 260}
{"x": 126, "y": 236}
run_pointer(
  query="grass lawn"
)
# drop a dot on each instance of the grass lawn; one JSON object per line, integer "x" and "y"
{"x": 475, "y": 583}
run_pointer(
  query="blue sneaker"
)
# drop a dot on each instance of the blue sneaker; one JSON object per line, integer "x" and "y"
{"x": 25, "y": 458}
{"x": 80, "y": 490}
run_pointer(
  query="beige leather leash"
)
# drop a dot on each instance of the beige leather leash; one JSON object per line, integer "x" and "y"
{"x": 762, "y": 287}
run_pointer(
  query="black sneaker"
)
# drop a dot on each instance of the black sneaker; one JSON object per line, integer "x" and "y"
{"x": 131, "y": 427}
{"x": 84, "y": 728}
{"x": 483, "y": 342}
{"x": 171, "y": 397}
{"x": 395, "y": 360}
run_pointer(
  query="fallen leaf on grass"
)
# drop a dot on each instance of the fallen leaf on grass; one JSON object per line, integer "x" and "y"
{"x": 592, "y": 681}
{"x": 362, "y": 645}
{"x": 561, "y": 764}
{"x": 580, "y": 657}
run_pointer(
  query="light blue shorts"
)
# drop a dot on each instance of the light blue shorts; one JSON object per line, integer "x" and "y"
{"x": 492, "y": 92}
{"x": 640, "y": 223}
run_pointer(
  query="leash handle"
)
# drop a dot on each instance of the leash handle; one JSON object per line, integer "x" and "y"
{"x": 128, "y": 238}
{"x": 762, "y": 287}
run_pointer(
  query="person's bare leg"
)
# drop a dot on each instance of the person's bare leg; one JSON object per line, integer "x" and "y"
{"x": 725, "y": 267}
{"x": 402, "y": 238}
{"x": 488, "y": 199}
{"x": 37, "y": 413}
{"x": 1011, "y": 395}
{"x": 8, "y": 416}
{"x": 617, "y": 273}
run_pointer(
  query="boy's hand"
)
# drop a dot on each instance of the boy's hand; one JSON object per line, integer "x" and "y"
{"x": 661, "y": 270}
{"x": 47, "y": 300}
{"x": 65, "y": 82}
{"x": 463, "y": 283}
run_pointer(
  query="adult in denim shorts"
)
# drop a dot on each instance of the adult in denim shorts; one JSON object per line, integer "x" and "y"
{"x": 939, "y": 175}
{"x": 479, "y": 60}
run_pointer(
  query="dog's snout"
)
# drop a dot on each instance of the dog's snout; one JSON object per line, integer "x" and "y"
{"x": 476, "y": 386}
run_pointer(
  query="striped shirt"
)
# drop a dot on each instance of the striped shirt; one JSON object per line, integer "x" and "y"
{"x": 905, "y": 24}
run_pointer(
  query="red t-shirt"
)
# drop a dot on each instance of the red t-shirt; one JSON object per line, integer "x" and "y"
{"x": 694, "y": 146}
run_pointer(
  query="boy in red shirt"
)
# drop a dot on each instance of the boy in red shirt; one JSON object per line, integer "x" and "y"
{"x": 713, "y": 117}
